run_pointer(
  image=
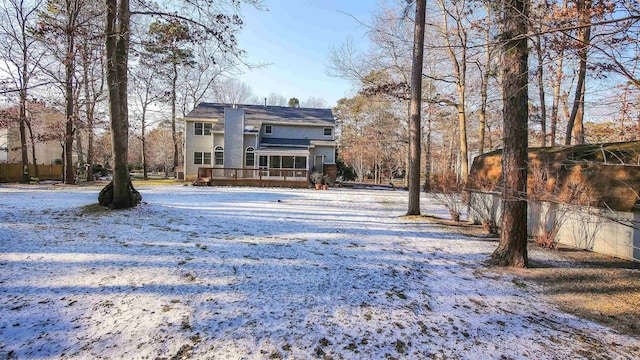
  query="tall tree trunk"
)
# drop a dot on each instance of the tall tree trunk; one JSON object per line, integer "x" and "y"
{"x": 464, "y": 154}
{"x": 32, "y": 140}
{"x": 557, "y": 85}
{"x": 117, "y": 53}
{"x": 575, "y": 125}
{"x": 69, "y": 73}
{"x": 90, "y": 122}
{"x": 62, "y": 159}
{"x": 79, "y": 147}
{"x": 451, "y": 163}
{"x": 174, "y": 134}
{"x": 22, "y": 114}
{"x": 427, "y": 157}
{"x": 485, "y": 82}
{"x": 144, "y": 142}
{"x": 460, "y": 71}
{"x": 415, "y": 105}
{"x": 543, "y": 105}
{"x": 512, "y": 250}
{"x": 555, "y": 108}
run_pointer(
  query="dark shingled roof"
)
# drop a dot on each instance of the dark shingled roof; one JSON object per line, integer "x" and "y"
{"x": 285, "y": 142}
{"x": 256, "y": 115}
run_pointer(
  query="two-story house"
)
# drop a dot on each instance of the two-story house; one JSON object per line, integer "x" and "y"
{"x": 227, "y": 142}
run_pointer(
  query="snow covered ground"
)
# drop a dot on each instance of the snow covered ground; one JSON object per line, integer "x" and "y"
{"x": 247, "y": 273}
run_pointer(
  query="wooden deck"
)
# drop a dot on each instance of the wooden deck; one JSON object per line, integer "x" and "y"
{"x": 291, "y": 178}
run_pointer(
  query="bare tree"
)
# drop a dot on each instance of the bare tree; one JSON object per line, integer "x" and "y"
{"x": 205, "y": 16}
{"x": 147, "y": 91}
{"x": 457, "y": 52}
{"x": 276, "y": 100}
{"x": 233, "y": 91}
{"x": 21, "y": 59}
{"x": 313, "y": 102}
{"x": 61, "y": 27}
{"x": 575, "y": 128}
{"x": 197, "y": 81}
{"x": 92, "y": 81}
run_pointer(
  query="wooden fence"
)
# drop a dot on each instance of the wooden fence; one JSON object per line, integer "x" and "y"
{"x": 13, "y": 172}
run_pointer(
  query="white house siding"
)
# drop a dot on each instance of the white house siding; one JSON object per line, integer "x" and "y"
{"x": 193, "y": 143}
{"x": 218, "y": 140}
{"x": 328, "y": 154}
{"x": 297, "y": 132}
{"x": 250, "y": 140}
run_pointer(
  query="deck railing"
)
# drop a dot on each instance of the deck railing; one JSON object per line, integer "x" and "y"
{"x": 250, "y": 173}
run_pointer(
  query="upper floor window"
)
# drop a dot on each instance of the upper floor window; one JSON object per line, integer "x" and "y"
{"x": 249, "y": 157}
{"x": 202, "y": 128}
{"x": 268, "y": 129}
{"x": 219, "y": 155}
{"x": 328, "y": 131}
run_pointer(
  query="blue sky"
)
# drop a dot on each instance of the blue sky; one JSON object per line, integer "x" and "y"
{"x": 294, "y": 37}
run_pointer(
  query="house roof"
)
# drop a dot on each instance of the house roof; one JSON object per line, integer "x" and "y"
{"x": 256, "y": 115}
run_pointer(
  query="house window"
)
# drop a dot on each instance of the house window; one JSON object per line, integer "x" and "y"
{"x": 202, "y": 128}
{"x": 287, "y": 162}
{"x": 219, "y": 155}
{"x": 328, "y": 131}
{"x": 201, "y": 158}
{"x": 268, "y": 129}
{"x": 263, "y": 161}
{"x": 249, "y": 157}
{"x": 301, "y": 162}
{"x": 275, "y": 162}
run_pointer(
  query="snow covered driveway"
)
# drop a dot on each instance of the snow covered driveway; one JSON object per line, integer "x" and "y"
{"x": 247, "y": 273}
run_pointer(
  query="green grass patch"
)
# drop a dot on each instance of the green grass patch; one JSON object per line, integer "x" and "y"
{"x": 93, "y": 209}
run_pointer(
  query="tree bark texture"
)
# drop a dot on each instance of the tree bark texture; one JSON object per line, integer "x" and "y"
{"x": 174, "y": 133}
{"x": 72, "y": 13}
{"x": 117, "y": 49}
{"x": 555, "y": 108}
{"x": 512, "y": 250}
{"x": 415, "y": 103}
{"x": 23, "y": 136}
{"x": 32, "y": 139}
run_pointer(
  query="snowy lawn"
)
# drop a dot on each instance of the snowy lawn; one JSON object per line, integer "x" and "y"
{"x": 247, "y": 273}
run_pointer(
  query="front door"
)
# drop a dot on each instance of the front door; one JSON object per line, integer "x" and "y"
{"x": 263, "y": 165}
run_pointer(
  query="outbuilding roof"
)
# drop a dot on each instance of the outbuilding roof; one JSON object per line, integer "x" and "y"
{"x": 608, "y": 174}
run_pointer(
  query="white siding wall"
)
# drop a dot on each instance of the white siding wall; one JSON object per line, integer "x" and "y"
{"x": 194, "y": 143}
{"x": 327, "y": 151}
